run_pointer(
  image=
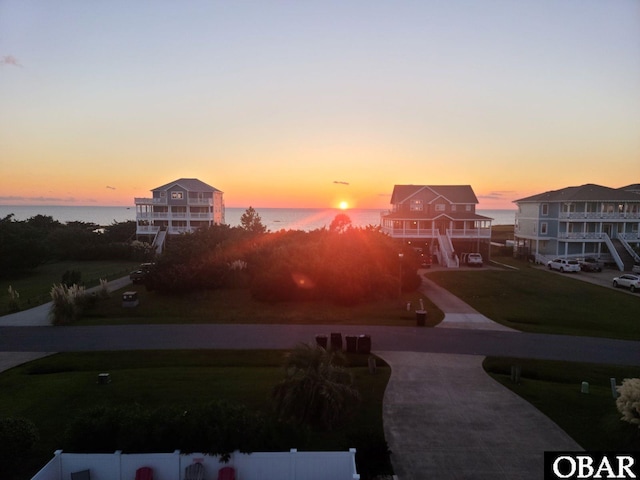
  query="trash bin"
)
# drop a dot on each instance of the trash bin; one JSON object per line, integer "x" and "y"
{"x": 421, "y": 318}
{"x": 352, "y": 343}
{"x": 336, "y": 341}
{"x": 130, "y": 299}
{"x": 364, "y": 344}
{"x": 321, "y": 341}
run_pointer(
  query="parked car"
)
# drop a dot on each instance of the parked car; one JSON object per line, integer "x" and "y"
{"x": 590, "y": 265}
{"x": 564, "y": 265}
{"x": 632, "y": 282}
{"x": 138, "y": 275}
{"x": 474, "y": 260}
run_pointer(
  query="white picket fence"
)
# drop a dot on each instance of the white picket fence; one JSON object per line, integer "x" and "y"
{"x": 292, "y": 465}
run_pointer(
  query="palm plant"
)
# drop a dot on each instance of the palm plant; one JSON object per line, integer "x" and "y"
{"x": 317, "y": 390}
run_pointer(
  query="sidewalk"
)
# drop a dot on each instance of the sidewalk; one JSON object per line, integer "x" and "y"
{"x": 445, "y": 418}
{"x": 38, "y": 316}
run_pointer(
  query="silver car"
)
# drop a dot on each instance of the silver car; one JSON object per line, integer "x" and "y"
{"x": 632, "y": 282}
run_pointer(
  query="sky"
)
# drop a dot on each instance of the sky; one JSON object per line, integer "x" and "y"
{"x": 313, "y": 103}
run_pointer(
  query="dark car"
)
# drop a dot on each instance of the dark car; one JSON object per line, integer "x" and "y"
{"x": 590, "y": 265}
{"x": 139, "y": 274}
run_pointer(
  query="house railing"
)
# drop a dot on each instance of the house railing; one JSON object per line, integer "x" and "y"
{"x": 405, "y": 232}
{"x": 164, "y": 201}
{"x": 469, "y": 233}
{"x": 599, "y": 215}
{"x": 292, "y": 465}
{"x": 581, "y": 235}
{"x": 629, "y": 237}
{"x": 170, "y": 215}
{"x": 410, "y": 232}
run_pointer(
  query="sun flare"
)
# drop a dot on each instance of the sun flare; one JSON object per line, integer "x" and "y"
{"x": 343, "y": 205}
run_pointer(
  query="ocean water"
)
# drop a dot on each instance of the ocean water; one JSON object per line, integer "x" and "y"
{"x": 273, "y": 218}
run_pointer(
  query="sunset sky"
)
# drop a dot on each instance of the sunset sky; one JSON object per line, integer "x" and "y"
{"x": 311, "y": 103}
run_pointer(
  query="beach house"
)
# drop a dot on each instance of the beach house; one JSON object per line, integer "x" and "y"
{"x": 183, "y": 205}
{"x": 441, "y": 220}
{"x": 578, "y": 222}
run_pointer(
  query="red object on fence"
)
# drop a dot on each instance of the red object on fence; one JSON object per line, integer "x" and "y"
{"x": 144, "y": 473}
{"x": 226, "y": 473}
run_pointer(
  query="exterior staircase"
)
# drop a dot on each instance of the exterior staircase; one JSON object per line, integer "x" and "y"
{"x": 626, "y": 258}
{"x": 158, "y": 242}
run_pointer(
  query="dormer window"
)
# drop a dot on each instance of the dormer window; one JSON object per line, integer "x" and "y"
{"x": 176, "y": 196}
{"x": 416, "y": 206}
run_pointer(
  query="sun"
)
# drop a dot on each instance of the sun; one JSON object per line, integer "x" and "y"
{"x": 343, "y": 205}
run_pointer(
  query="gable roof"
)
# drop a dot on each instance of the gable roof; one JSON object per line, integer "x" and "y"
{"x": 588, "y": 192}
{"x": 453, "y": 193}
{"x": 189, "y": 184}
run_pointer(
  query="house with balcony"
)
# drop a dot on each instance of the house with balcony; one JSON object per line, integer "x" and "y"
{"x": 578, "y": 222}
{"x": 181, "y": 206}
{"x": 439, "y": 219}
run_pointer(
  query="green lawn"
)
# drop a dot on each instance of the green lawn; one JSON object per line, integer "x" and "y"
{"x": 533, "y": 300}
{"x": 52, "y": 390}
{"x": 592, "y": 419}
{"x": 35, "y": 286}
{"x": 237, "y": 306}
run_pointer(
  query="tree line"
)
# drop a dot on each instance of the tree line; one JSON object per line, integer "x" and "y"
{"x": 26, "y": 244}
{"x": 343, "y": 264}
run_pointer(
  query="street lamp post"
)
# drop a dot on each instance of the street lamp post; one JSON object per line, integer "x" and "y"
{"x": 400, "y": 257}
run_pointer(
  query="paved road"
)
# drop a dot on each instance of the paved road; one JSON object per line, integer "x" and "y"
{"x": 417, "y": 339}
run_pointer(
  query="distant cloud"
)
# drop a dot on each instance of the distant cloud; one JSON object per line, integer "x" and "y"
{"x": 340, "y": 183}
{"x": 498, "y": 195}
{"x": 111, "y": 188}
{"x": 11, "y": 61}
{"x": 36, "y": 199}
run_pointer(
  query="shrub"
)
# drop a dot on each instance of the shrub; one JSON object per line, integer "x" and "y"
{"x": 18, "y": 437}
{"x": 628, "y": 402}
{"x": 67, "y": 303}
{"x": 14, "y": 300}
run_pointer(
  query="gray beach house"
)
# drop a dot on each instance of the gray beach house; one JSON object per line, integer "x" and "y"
{"x": 577, "y": 222}
{"x": 183, "y": 205}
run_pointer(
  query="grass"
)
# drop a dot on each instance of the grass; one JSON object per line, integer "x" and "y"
{"x": 554, "y": 388}
{"x": 532, "y": 300}
{"x": 237, "y": 306}
{"x": 529, "y": 299}
{"x": 35, "y": 286}
{"x": 52, "y": 390}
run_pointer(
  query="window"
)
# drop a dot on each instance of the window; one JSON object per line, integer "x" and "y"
{"x": 440, "y": 207}
{"x": 468, "y": 208}
{"x": 176, "y": 195}
{"x": 543, "y": 228}
{"x": 545, "y": 209}
{"x": 415, "y": 205}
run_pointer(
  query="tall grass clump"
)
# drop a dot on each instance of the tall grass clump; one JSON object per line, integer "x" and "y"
{"x": 14, "y": 300}
{"x": 103, "y": 291}
{"x": 67, "y": 303}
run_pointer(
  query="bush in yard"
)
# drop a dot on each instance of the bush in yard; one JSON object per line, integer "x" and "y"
{"x": 317, "y": 390}
{"x": 67, "y": 303}
{"x": 628, "y": 402}
{"x": 18, "y": 437}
